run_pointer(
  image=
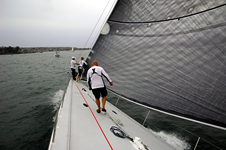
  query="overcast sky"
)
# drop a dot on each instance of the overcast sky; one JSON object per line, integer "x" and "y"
{"x": 41, "y": 23}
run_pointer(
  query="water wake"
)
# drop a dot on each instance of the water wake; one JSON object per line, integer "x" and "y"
{"x": 172, "y": 139}
{"x": 56, "y": 99}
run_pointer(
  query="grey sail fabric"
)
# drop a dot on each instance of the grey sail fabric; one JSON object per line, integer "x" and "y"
{"x": 169, "y": 55}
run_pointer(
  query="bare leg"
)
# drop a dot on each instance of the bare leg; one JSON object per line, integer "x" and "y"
{"x": 78, "y": 78}
{"x": 98, "y": 103}
{"x": 104, "y": 101}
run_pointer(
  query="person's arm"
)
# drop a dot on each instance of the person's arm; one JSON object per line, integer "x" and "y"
{"x": 89, "y": 80}
{"x": 85, "y": 62}
{"x": 107, "y": 77}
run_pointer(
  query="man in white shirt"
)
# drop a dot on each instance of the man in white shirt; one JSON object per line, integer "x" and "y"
{"x": 96, "y": 84}
{"x": 73, "y": 63}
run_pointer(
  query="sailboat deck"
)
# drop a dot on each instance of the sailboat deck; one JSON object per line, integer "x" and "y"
{"x": 81, "y": 127}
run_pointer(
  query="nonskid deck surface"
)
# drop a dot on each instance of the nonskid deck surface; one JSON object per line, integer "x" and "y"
{"x": 82, "y": 128}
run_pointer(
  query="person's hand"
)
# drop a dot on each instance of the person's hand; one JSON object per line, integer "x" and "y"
{"x": 111, "y": 83}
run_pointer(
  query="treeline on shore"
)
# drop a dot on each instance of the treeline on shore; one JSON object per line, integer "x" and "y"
{"x": 10, "y": 50}
{"x": 23, "y": 50}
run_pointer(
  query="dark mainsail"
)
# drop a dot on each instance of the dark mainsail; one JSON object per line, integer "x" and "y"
{"x": 169, "y": 55}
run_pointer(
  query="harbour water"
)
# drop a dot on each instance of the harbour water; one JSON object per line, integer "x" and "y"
{"x": 32, "y": 86}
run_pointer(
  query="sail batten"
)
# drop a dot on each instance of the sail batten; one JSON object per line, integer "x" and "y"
{"x": 169, "y": 19}
{"x": 178, "y": 66}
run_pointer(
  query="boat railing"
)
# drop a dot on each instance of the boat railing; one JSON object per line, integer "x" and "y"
{"x": 143, "y": 114}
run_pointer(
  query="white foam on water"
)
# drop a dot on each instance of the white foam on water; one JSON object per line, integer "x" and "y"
{"x": 175, "y": 141}
{"x": 56, "y": 99}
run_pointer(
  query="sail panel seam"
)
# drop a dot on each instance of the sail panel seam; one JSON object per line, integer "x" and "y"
{"x": 177, "y": 18}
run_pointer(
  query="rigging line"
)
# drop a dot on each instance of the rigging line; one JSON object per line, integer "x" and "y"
{"x": 164, "y": 20}
{"x": 95, "y": 119}
{"x": 177, "y": 33}
{"x": 171, "y": 114}
{"x": 159, "y": 128}
{"x": 135, "y": 115}
{"x": 79, "y": 58}
{"x": 126, "y": 134}
{"x": 109, "y": 116}
{"x": 97, "y": 23}
{"x": 173, "y": 124}
{"x": 104, "y": 21}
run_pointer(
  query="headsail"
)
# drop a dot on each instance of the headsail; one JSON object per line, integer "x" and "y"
{"x": 169, "y": 55}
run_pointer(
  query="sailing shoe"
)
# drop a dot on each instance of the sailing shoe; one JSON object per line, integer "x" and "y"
{"x": 104, "y": 110}
{"x": 98, "y": 110}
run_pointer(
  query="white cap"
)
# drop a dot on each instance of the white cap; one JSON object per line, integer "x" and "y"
{"x": 73, "y": 57}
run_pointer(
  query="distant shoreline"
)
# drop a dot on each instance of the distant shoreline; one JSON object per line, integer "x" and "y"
{"x": 18, "y": 53}
{"x": 26, "y": 50}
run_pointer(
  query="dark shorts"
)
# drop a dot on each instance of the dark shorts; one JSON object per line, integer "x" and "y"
{"x": 100, "y": 92}
{"x": 74, "y": 73}
{"x": 79, "y": 72}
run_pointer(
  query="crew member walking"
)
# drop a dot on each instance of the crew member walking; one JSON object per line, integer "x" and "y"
{"x": 96, "y": 84}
